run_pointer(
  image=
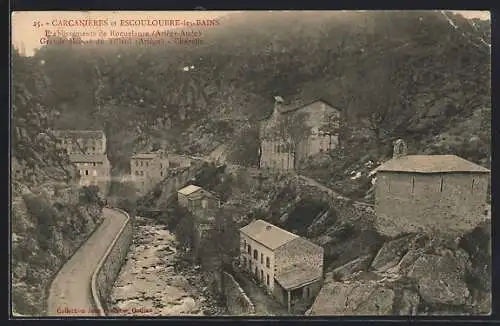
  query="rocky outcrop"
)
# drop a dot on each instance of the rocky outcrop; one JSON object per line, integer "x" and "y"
{"x": 415, "y": 274}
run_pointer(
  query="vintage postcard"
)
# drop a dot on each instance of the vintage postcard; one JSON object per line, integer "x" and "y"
{"x": 264, "y": 163}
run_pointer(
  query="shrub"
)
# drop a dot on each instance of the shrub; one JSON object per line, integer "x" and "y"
{"x": 90, "y": 195}
{"x": 46, "y": 217}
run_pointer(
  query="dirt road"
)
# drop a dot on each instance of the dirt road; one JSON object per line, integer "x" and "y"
{"x": 70, "y": 293}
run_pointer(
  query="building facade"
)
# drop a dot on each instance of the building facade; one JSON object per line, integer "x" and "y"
{"x": 94, "y": 170}
{"x": 147, "y": 170}
{"x": 87, "y": 142}
{"x": 294, "y": 133}
{"x": 197, "y": 199}
{"x": 288, "y": 266}
{"x": 87, "y": 151}
{"x": 416, "y": 193}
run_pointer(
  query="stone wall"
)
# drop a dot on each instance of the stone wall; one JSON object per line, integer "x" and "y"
{"x": 419, "y": 203}
{"x": 109, "y": 267}
{"x": 237, "y": 301}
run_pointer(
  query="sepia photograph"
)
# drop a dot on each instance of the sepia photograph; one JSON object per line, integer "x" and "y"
{"x": 250, "y": 163}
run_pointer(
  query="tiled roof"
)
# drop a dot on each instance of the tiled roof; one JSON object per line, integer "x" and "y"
{"x": 267, "y": 234}
{"x": 81, "y": 158}
{"x": 145, "y": 155}
{"x": 298, "y": 104}
{"x": 189, "y": 190}
{"x": 296, "y": 275}
{"x": 430, "y": 164}
{"x": 79, "y": 133}
{"x": 301, "y": 103}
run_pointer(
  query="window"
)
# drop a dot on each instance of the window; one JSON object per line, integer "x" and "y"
{"x": 307, "y": 292}
{"x": 141, "y": 163}
{"x": 86, "y": 172}
{"x": 267, "y": 279}
{"x": 472, "y": 186}
{"x": 262, "y": 258}
{"x": 136, "y": 172}
{"x": 136, "y": 163}
{"x": 441, "y": 185}
{"x": 161, "y": 173}
{"x": 268, "y": 262}
{"x": 147, "y": 163}
{"x": 93, "y": 148}
{"x": 262, "y": 275}
{"x": 412, "y": 184}
{"x": 249, "y": 249}
{"x": 142, "y": 173}
{"x": 255, "y": 254}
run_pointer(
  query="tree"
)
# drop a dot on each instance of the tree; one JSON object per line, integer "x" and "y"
{"x": 220, "y": 244}
{"x": 184, "y": 230}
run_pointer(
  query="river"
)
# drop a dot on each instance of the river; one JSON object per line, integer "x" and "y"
{"x": 151, "y": 282}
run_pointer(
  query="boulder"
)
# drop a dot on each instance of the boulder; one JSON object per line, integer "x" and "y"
{"x": 408, "y": 304}
{"x": 441, "y": 280}
{"x": 359, "y": 264}
{"x": 353, "y": 298}
{"x": 408, "y": 260}
{"x": 391, "y": 253}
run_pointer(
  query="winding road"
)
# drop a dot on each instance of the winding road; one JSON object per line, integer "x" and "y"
{"x": 70, "y": 293}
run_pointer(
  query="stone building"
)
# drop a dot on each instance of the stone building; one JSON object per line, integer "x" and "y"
{"x": 197, "y": 199}
{"x": 87, "y": 151}
{"x": 429, "y": 192}
{"x": 147, "y": 170}
{"x": 87, "y": 142}
{"x": 288, "y": 266}
{"x": 94, "y": 170}
{"x": 295, "y": 132}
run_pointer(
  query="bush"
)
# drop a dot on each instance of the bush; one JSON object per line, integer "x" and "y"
{"x": 90, "y": 195}
{"x": 46, "y": 217}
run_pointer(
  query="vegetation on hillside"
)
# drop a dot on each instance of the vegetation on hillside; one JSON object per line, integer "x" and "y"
{"x": 50, "y": 217}
{"x": 421, "y": 76}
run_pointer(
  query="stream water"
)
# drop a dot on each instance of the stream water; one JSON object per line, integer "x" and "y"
{"x": 150, "y": 283}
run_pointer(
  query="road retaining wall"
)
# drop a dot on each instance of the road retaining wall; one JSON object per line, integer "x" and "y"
{"x": 237, "y": 301}
{"x": 106, "y": 272}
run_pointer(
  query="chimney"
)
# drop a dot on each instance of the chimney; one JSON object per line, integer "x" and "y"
{"x": 400, "y": 149}
{"x": 278, "y": 103}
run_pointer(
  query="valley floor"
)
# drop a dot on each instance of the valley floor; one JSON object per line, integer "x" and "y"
{"x": 150, "y": 285}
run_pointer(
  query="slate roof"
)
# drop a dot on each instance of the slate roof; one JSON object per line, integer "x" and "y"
{"x": 188, "y": 190}
{"x": 431, "y": 164}
{"x": 81, "y": 158}
{"x": 267, "y": 234}
{"x": 295, "y": 276}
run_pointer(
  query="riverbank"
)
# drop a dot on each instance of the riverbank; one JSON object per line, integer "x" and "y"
{"x": 151, "y": 283}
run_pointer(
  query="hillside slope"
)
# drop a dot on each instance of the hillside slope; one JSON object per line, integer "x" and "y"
{"x": 50, "y": 216}
{"x": 393, "y": 74}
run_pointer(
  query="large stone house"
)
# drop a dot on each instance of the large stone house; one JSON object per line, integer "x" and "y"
{"x": 94, "y": 170}
{"x": 147, "y": 170}
{"x": 293, "y": 133}
{"x": 288, "y": 266}
{"x": 86, "y": 142}
{"x": 87, "y": 151}
{"x": 429, "y": 192}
